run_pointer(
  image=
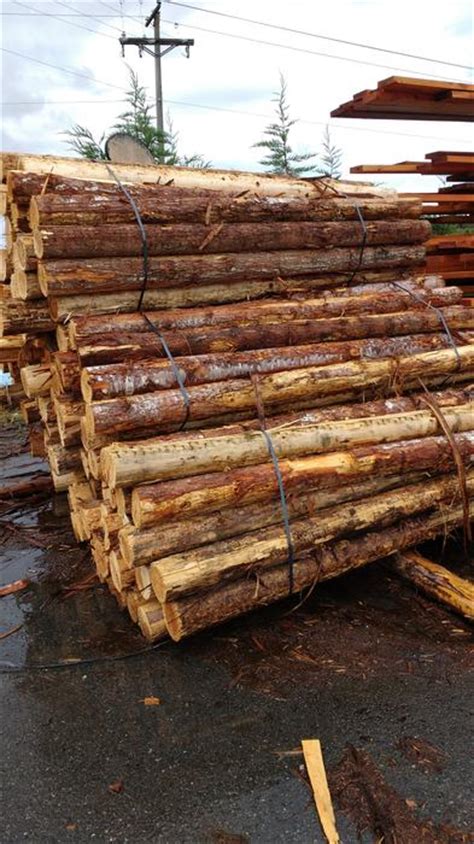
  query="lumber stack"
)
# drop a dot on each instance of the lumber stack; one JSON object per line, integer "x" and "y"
{"x": 451, "y": 254}
{"x": 266, "y": 306}
{"x": 407, "y": 98}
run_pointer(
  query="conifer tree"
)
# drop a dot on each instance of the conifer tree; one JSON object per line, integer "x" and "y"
{"x": 281, "y": 158}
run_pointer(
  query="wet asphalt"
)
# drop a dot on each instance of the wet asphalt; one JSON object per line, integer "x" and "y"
{"x": 365, "y": 661}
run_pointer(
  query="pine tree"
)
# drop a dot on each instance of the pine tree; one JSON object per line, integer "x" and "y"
{"x": 331, "y": 158}
{"x": 281, "y": 157}
{"x": 136, "y": 121}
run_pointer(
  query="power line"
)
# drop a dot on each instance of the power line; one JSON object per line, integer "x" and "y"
{"x": 242, "y": 112}
{"x": 315, "y": 122}
{"x": 59, "y": 102}
{"x": 310, "y": 52}
{"x": 314, "y": 34}
{"x": 63, "y": 69}
{"x": 60, "y": 18}
{"x": 72, "y": 9}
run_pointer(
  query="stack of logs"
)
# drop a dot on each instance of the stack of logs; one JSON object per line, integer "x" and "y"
{"x": 279, "y": 346}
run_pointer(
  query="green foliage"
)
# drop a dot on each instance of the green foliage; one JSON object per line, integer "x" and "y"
{"x": 137, "y": 121}
{"x": 281, "y": 157}
{"x": 451, "y": 228}
{"x": 331, "y": 157}
{"x": 84, "y": 143}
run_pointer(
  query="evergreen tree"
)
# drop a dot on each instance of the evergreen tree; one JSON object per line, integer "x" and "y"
{"x": 137, "y": 121}
{"x": 331, "y": 158}
{"x": 281, "y": 157}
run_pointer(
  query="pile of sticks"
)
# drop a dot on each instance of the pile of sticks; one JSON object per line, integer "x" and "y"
{"x": 266, "y": 396}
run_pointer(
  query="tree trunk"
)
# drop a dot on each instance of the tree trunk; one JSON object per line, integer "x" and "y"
{"x": 105, "y": 241}
{"x": 216, "y": 294}
{"x": 19, "y": 317}
{"x": 164, "y": 206}
{"x": 191, "y": 615}
{"x": 130, "y": 463}
{"x": 104, "y": 275}
{"x": 278, "y": 390}
{"x": 147, "y": 376}
{"x": 84, "y": 329}
{"x": 141, "y": 547}
{"x": 154, "y": 503}
{"x": 185, "y": 458}
{"x": 209, "y": 340}
{"x": 188, "y": 177}
{"x": 212, "y": 565}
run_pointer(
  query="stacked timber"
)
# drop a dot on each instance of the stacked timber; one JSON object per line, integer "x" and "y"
{"x": 271, "y": 352}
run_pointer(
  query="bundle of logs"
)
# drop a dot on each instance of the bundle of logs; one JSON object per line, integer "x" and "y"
{"x": 272, "y": 396}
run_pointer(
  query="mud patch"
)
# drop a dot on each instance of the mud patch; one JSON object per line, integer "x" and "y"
{"x": 360, "y": 790}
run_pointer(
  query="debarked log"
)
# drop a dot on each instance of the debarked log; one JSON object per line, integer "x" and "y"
{"x": 104, "y": 275}
{"x": 274, "y": 390}
{"x": 152, "y": 503}
{"x": 141, "y": 547}
{"x": 131, "y": 463}
{"x": 438, "y": 582}
{"x": 185, "y": 458}
{"x": 192, "y": 614}
{"x": 212, "y": 565}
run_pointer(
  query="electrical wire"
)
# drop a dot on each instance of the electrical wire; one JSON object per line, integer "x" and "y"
{"x": 69, "y": 23}
{"x": 239, "y": 113}
{"x": 72, "y": 9}
{"x": 312, "y": 52}
{"x": 316, "y": 122}
{"x": 314, "y": 34}
{"x": 63, "y": 69}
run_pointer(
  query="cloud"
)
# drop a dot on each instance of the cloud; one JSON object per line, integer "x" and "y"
{"x": 240, "y": 76}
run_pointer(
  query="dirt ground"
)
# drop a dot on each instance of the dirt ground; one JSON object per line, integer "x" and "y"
{"x": 380, "y": 674}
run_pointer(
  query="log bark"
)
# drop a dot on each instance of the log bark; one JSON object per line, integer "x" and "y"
{"x": 62, "y": 307}
{"x": 83, "y": 329}
{"x": 147, "y": 376}
{"x": 105, "y": 241}
{"x": 153, "y": 503}
{"x": 131, "y": 463}
{"x": 187, "y": 177}
{"x": 105, "y": 275}
{"x": 18, "y": 317}
{"x": 212, "y": 565}
{"x": 66, "y": 366}
{"x": 141, "y": 547}
{"x": 21, "y": 476}
{"x": 62, "y": 459}
{"x": 437, "y": 582}
{"x": 275, "y": 390}
{"x": 208, "y": 340}
{"x": 175, "y": 206}
{"x": 188, "y": 616}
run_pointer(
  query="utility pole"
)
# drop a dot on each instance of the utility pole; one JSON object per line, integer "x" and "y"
{"x": 153, "y": 46}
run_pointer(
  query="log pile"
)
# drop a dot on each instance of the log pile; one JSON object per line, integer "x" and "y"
{"x": 276, "y": 397}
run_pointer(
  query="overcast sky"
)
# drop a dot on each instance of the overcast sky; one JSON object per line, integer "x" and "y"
{"x": 219, "y": 98}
